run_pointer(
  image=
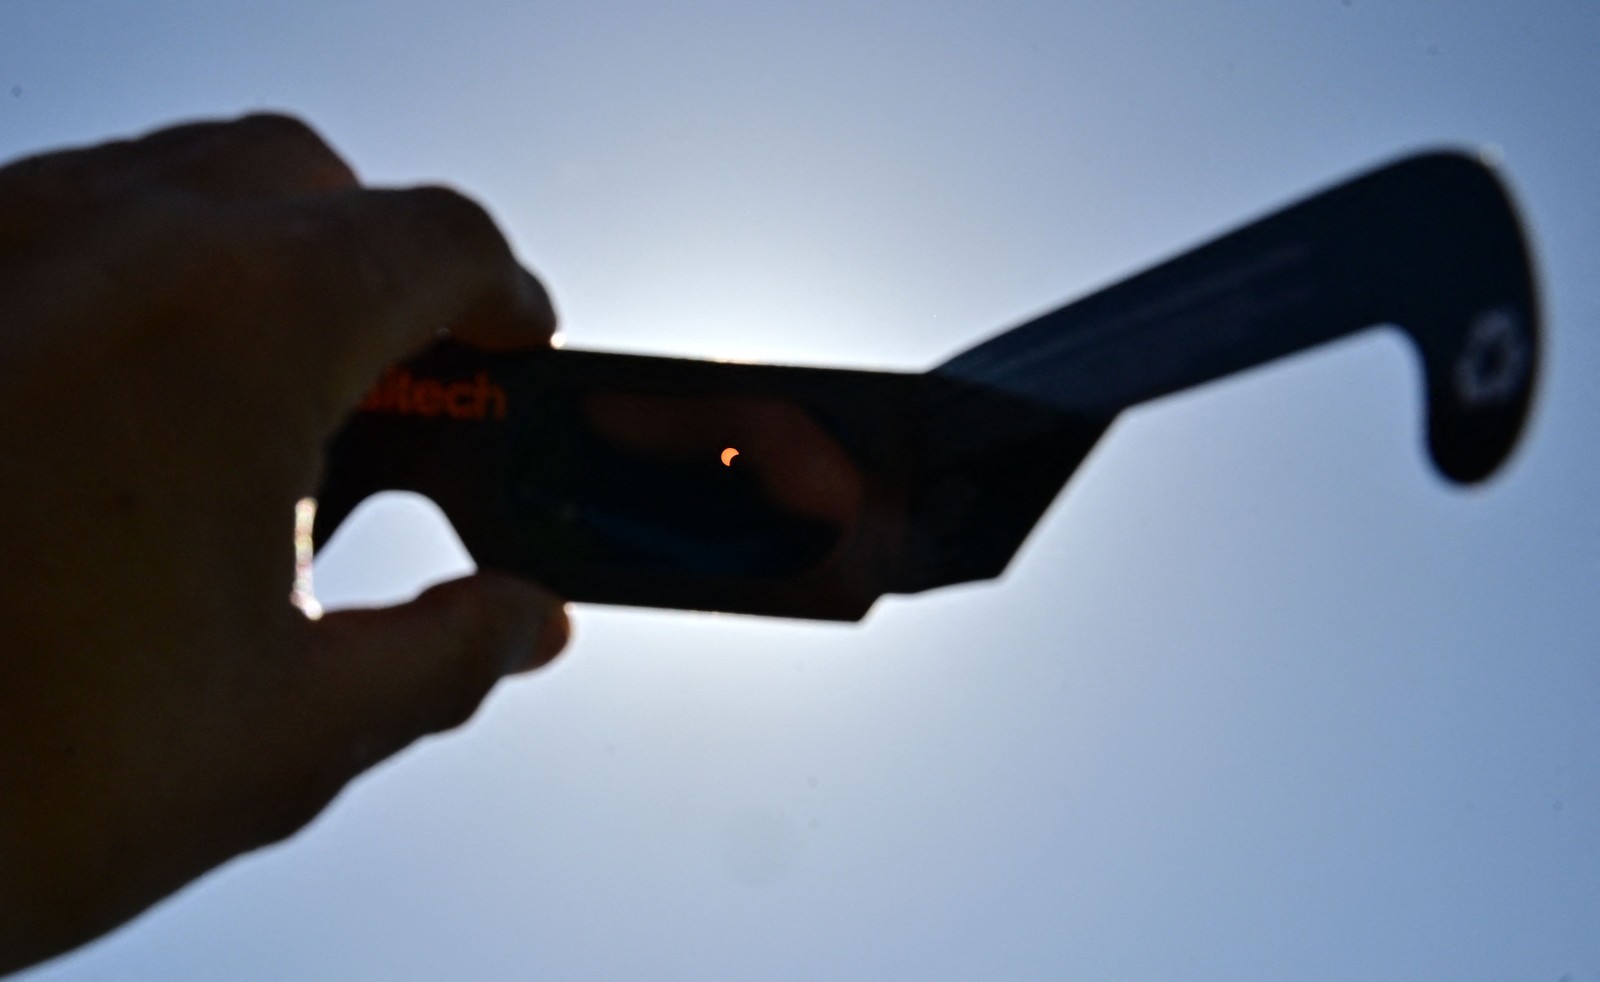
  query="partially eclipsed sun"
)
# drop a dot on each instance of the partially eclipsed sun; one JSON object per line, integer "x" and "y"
{"x": 728, "y": 455}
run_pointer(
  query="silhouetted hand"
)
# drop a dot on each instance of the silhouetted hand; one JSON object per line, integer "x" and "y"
{"x": 184, "y": 321}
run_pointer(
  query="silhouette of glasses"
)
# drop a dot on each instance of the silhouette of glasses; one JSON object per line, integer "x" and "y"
{"x": 603, "y": 475}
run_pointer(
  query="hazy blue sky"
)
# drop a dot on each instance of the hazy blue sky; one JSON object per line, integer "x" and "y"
{"x": 1261, "y": 699}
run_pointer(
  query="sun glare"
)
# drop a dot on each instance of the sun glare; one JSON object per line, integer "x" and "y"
{"x": 302, "y": 595}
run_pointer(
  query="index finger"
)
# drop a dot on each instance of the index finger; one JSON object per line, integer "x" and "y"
{"x": 373, "y": 276}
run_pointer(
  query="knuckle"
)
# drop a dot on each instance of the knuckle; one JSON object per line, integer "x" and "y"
{"x": 55, "y": 184}
{"x": 477, "y": 670}
{"x": 266, "y": 152}
{"x": 293, "y": 805}
{"x": 455, "y": 216}
{"x": 474, "y": 665}
{"x": 457, "y": 711}
{"x": 278, "y": 129}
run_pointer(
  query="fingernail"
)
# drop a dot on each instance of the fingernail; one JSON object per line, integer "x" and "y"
{"x": 542, "y": 635}
{"x": 527, "y": 321}
{"x": 556, "y": 635}
{"x": 535, "y": 301}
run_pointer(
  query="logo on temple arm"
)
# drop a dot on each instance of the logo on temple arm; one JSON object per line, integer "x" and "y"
{"x": 1495, "y": 364}
{"x": 398, "y": 392}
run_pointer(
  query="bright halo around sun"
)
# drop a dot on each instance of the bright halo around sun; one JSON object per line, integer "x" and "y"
{"x": 728, "y": 455}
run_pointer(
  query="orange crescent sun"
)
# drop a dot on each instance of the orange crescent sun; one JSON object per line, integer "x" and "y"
{"x": 728, "y": 455}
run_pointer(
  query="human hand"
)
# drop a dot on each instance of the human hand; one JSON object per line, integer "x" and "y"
{"x": 185, "y": 319}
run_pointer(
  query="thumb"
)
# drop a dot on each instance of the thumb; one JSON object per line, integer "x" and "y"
{"x": 375, "y": 680}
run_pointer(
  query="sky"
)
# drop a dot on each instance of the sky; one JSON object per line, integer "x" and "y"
{"x": 1261, "y": 698}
